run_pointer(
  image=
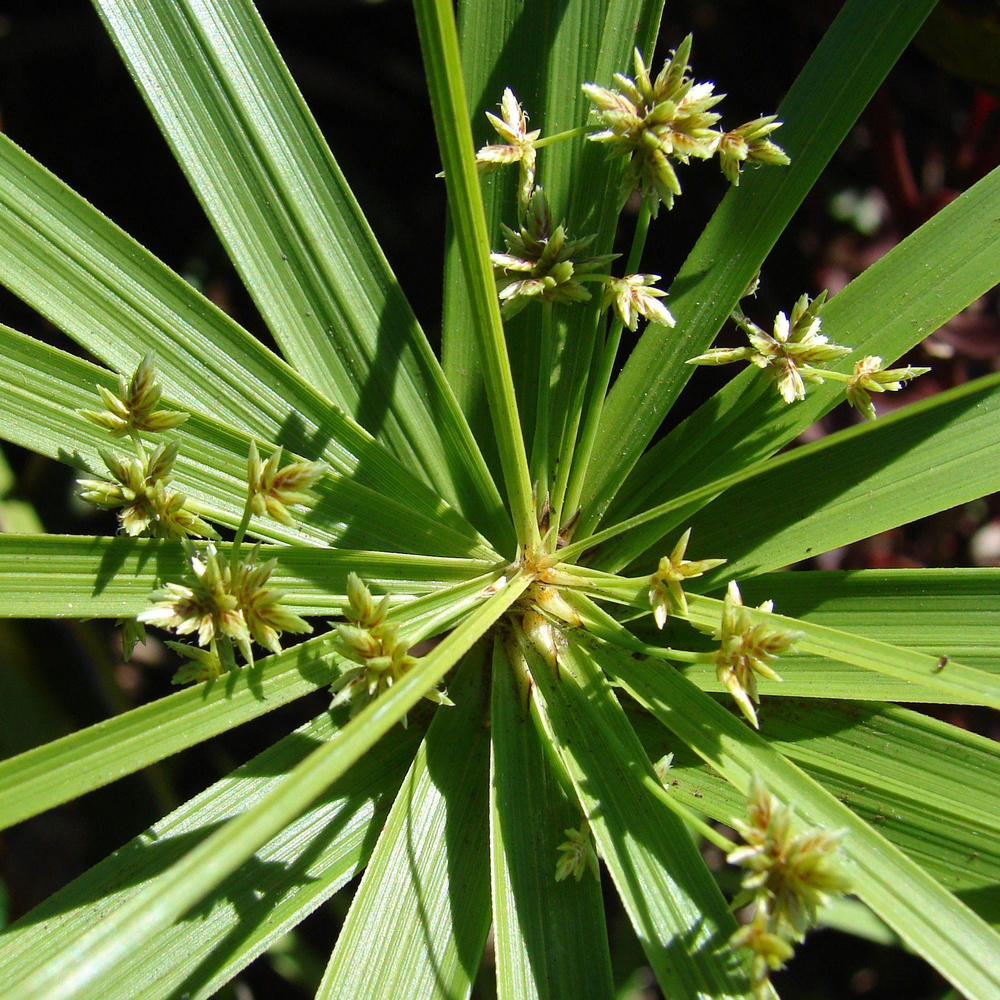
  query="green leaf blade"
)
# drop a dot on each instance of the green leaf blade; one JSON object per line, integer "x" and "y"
{"x": 913, "y": 290}
{"x": 676, "y": 908}
{"x": 281, "y": 884}
{"x": 551, "y": 939}
{"x": 266, "y": 178}
{"x": 418, "y": 923}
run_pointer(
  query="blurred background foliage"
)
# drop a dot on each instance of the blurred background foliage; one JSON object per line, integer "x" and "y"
{"x": 932, "y": 131}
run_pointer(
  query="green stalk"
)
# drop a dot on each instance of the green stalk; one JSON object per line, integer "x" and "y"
{"x": 579, "y": 459}
{"x": 570, "y": 133}
{"x": 234, "y": 556}
{"x": 443, "y": 65}
{"x": 686, "y": 815}
{"x": 540, "y": 445}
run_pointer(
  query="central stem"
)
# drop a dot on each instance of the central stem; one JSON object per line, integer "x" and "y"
{"x": 540, "y": 445}
{"x": 602, "y": 377}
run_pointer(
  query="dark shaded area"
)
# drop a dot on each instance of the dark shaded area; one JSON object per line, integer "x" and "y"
{"x": 65, "y": 97}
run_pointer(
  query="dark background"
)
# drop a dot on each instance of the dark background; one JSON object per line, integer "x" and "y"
{"x": 932, "y": 131}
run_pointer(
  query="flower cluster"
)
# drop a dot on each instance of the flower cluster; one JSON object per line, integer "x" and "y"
{"x": 273, "y": 488}
{"x": 635, "y": 295}
{"x": 134, "y": 409}
{"x": 139, "y": 488}
{"x": 374, "y": 645}
{"x": 869, "y": 377}
{"x": 796, "y": 353}
{"x": 577, "y": 855}
{"x": 542, "y": 263}
{"x": 793, "y": 355}
{"x": 750, "y": 144}
{"x": 655, "y": 123}
{"x": 226, "y": 603}
{"x": 518, "y": 146}
{"x": 788, "y": 876}
{"x": 666, "y": 592}
{"x": 746, "y": 649}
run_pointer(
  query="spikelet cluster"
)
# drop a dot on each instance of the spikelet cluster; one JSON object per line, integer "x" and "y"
{"x": 656, "y": 123}
{"x": 747, "y": 649}
{"x": 542, "y": 263}
{"x": 222, "y": 601}
{"x": 666, "y": 591}
{"x": 374, "y": 646}
{"x": 790, "y": 872}
{"x": 274, "y": 487}
{"x": 868, "y": 377}
{"x": 577, "y": 855}
{"x": 140, "y": 490}
{"x": 134, "y": 409}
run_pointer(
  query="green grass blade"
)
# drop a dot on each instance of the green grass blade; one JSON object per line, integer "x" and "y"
{"x": 196, "y": 875}
{"x": 957, "y": 680}
{"x": 119, "y": 302}
{"x": 922, "y": 459}
{"x": 913, "y": 290}
{"x": 281, "y": 884}
{"x": 550, "y": 937}
{"x": 543, "y": 54}
{"x": 674, "y": 905}
{"x": 73, "y": 576}
{"x": 366, "y": 500}
{"x": 255, "y": 157}
{"x": 951, "y": 612}
{"x": 926, "y": 916}
{"x": 439, "y": 41}
{"x": 939, "y": 612}
{"x": 822, "y": 105}
{"x": 67, "y": 768}
{"x": 919, "y": 460}
{"x": 418, "y": 923}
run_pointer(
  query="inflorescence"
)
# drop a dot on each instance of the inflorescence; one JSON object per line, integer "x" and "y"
{"x": 790, "y": 872}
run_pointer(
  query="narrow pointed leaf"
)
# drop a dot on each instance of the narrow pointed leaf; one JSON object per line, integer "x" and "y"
{"x": 913, "y": 290}
{"x": 674, "y": 905}
{"x": 119, "y": 302}
{"x": 543, "y": 55}
{"x": 191, "y": 879}
{"x": 439, "y": 42}
{"x": 41, "y": 390}
{"x": 418, "y": 923}
{"x": 924, "y": 458}
{"x": 550, "y": 937}
{"x": 275, "y": 889}
{"x": 66, "y": 768}
{"x": 928, "y": 787}
{"x": 75, "y": 576}
{"x": 842, "y": 487}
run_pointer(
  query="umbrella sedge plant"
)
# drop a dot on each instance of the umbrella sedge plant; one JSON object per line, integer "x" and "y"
{"x": 555, "y": 648}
